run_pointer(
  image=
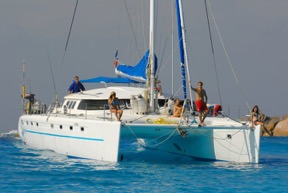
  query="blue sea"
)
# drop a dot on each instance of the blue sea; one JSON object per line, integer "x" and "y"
{"x": 23, "y": 169}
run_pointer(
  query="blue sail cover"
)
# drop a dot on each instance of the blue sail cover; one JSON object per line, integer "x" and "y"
{"x": 180, "y": 36}
{"x": 136, "y": 73}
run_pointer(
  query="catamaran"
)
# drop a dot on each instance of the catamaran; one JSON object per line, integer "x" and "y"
{"x": 83, "y": 126}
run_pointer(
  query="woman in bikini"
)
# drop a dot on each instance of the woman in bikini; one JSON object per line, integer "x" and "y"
{"x": 255, "y": 119}
{"x": 114, "y": 106}
{"x": 177, "y": 108}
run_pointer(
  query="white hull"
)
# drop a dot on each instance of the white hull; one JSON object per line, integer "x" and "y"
{"x": 213, "y": 143}
{"x": 99, "y": 139}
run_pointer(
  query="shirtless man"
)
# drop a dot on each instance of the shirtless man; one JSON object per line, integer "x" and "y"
{"x": 201, "y": 101}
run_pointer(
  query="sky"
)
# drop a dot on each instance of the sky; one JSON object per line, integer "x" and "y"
{"x": 254, "y": 33}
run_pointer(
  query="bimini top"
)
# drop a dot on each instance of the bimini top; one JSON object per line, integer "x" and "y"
{"x": 122, "y": 92}
{"x": 103, "y": 79}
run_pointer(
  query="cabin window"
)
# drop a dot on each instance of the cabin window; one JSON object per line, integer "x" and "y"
{"x": 31, "y": 123}
{"x": 37, "y": 124}
{"x": 71, "y": 128}
{"x": 73, "y": 105}
{"x": 60, "y": 126}
{"x": 82, "y": 128}
{"x": 69, "y": 106}
{"x": 52, "y": 126}
{"x": 27, "y": 123}
{"x": 92, "y": 104}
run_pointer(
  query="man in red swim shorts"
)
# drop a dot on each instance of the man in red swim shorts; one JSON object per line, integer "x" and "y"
{"x": 201, "y": 101}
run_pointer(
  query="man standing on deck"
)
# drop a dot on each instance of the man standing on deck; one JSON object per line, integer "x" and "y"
{"x": 201, "y": 101}
{"x": 76, "y": 86}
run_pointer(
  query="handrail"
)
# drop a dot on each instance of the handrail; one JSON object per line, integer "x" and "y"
{"x": 106, "y": 105}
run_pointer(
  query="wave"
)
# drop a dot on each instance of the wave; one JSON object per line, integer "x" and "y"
{"x": 12, "y": 134}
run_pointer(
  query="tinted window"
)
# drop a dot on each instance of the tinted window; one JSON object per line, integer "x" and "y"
{"x": 73, "y": 105}
{"x": 69, "y": 106}
{"x": 93, "y": 104}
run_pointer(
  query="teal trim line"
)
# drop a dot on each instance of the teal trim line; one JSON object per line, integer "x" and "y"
{"x": 64, "y": 136}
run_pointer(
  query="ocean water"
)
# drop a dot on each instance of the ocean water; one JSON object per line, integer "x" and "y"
{"x": 23, "y": 169}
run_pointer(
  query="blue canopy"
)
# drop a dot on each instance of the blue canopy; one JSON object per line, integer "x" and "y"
{"x": 103, "y": 79}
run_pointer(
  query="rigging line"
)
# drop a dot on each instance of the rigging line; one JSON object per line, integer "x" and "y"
{"x": 119, "y": 23}
{"x": 160, "y": 26}
{"x": 173, "y": 95}
{"x": 173, "y": 50}
{"x": 164, "y": 37}
{"x": 172, "y": 44}
{"x": 160, "y": 62}
{"x": 157, "y": 144}
{"x": 71, "y": 25}
{"x": 213, "y": 53}
{"x": 55, "y": 90}
{"x": 155, "y": 23}
{"x": 143, "y": 25}
{"x": 132, "y": 29}
{"x": 154, "y": 145}
{"x": 229, "y": 61}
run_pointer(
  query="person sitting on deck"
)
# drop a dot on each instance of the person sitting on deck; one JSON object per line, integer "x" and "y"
{"x": 114, "y": 106}
{"x": 177, "y": 108}
{"x": 257, "y": 118}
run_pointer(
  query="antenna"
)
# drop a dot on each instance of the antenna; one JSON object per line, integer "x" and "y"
{"x": 23, "y": 70}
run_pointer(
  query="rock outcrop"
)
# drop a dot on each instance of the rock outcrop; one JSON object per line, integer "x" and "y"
{"x": 285, "y": 117}
{"x": 270, "y": 124}
{"x": 281, "y": 129}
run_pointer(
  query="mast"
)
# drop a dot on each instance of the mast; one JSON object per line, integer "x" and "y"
{"x": 183, "y": 47}
{"x": 151, "y": 56}
{"x": 172, "y": 47}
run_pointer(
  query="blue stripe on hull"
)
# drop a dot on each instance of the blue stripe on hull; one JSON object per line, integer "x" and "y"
{"x": 63, "y": 136}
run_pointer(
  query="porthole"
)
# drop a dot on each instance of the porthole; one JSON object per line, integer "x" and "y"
{"x": 22, "y": 122}
{"x": 71, "y": 128}
{"x": 61, "y": 127}
{"x": 37, "y": 124}
{"x": 82, "y": 128}
{"x": 52, "y": 126}
{"x": 27, "y": 123}
{"x": 31, "y": 123}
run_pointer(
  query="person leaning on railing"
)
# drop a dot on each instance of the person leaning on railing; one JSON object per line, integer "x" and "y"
{"x": 76, "y": 86}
